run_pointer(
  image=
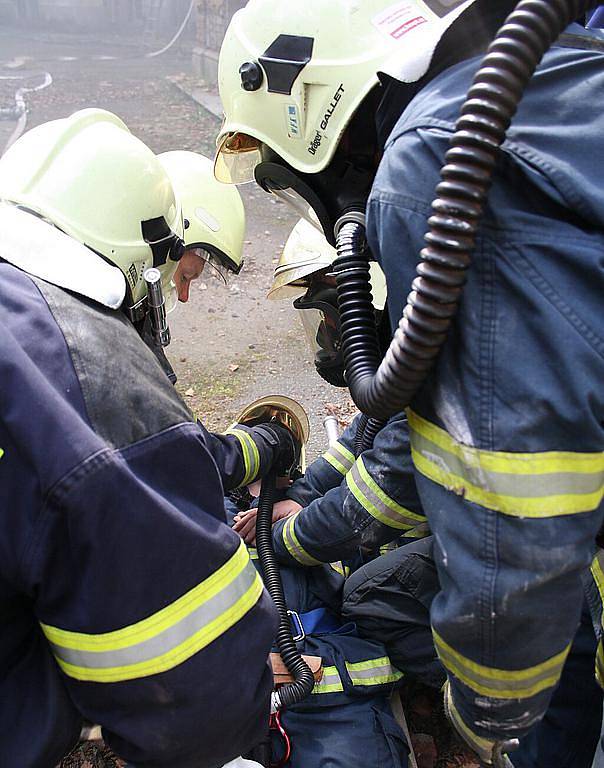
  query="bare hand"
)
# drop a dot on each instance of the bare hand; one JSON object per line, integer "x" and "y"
{"x": 245, "y": 522}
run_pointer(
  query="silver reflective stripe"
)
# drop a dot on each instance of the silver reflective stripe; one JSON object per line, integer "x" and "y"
{"x": 375, "y": 501}
{"x": 340, "y": 458}
{"x": 373, "y": 672}
{"x": 292, "y": 544}
{"x": 501, "y": 683}
{"x": 330, "y": 682}
{"x": 251, "y": 456}
{"x": 419, "y": 532}
{"x": 170, "y": 638}
{"x": 508, "y": 483}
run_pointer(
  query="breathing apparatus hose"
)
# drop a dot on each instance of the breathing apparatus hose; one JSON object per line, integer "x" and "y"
{"x": 371, "y": 432}
{"x": 360, "y": 433}
{"x": 366, "y": 433}
{"x": 291, "y": 693}
{"x": 381, "y": 389}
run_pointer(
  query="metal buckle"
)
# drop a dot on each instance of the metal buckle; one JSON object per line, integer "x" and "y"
{"x": 298, "y": 626}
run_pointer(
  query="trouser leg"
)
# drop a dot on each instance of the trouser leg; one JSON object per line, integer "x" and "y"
{"x": 567, "y": 736}
{"x": 389, "y": 600}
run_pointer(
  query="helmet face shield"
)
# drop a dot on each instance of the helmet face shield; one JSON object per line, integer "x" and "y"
{"x": 297, "y": 203}
{"x": 285, "y": 184}
{"x": 236, "y": 158}
{"x": 218, "y": 264}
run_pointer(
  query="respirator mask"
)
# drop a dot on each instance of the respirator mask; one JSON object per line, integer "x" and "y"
{"x": 318, "y": 310}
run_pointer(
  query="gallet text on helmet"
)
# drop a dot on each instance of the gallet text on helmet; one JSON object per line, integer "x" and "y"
{"x": 316, "y": 142}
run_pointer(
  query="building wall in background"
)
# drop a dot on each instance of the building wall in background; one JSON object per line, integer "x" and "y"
{"x": 92, "y": 14}
{"x": 213, "y": 17}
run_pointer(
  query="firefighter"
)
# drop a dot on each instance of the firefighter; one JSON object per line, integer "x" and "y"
{"x": 214, "y": 227}
{"x": 506, "y": 435}
{"x": 389, "y": 597}
{"x": 125, "y": 598}
{"x": 214, "y": 220}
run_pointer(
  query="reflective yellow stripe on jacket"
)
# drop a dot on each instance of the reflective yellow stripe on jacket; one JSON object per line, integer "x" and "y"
{"x": 251, "y": 455}
{"x": 501, "y": 683}
{"x": 375, "y": 501}
{"x": 292, "y": 544}
{"x": 330, "y": 682}
{"x": 597, "y": 571}
{"x": 361, "y": 673}
{"x": 167, "y": 638}
{"x": 339, "y": 457}
{"x": 537, "y": 485}
{"x": 373, "y": 672}
{"x": 339, "y": 567}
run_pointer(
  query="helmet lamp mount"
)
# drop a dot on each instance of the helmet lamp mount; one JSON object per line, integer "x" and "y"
{"x": 164, "y": 243}
{"x": 251, "y": 76}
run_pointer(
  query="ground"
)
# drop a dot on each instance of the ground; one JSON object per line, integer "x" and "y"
{"x": 231, "y": 344}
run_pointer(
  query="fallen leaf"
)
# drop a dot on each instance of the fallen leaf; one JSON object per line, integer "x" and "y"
{"x": 190, "y": 392}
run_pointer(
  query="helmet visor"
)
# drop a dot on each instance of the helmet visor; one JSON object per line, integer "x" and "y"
{"x": 297, "y": 203}
{"x": 294, "y": 190}
{"x": 171, "y": 297}
{"x": 218, "y": 265}
{"x": 236, "y": 158}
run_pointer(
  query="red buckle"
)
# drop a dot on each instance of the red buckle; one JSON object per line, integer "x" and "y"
{"x": 275, "y": 724}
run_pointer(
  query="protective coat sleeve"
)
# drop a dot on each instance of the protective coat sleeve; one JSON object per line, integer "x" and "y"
{"x": 327, "y": 471}
{"x": 375, "y": 504}
{"x": 242, "y": 456}
{"x": 507, "y": 434}
{"x": 126, "y": 600}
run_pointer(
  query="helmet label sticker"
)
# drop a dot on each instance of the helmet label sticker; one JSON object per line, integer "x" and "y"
{"x": 332, "y": 107}
{"x": 132, "y": 275}
{"x": 315, "y": 144}
{"x": 292, "y": 117}
{"x": 400, "y": 18}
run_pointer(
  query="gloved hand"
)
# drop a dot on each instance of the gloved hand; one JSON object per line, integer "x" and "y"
{"x": 490, "y": 753}
{"x": 288, "y": 449}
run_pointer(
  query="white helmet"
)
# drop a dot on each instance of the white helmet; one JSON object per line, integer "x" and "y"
{"x": 292, "y": 75}
{"x": 214, "y": 216}
{"x": 90, "y": 178}
{"x": 306, "y": 253}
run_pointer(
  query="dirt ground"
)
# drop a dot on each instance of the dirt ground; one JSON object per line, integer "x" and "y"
{"x": 231, "y": 344}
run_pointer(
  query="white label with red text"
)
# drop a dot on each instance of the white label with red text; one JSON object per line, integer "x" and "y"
{"x": 399, "y": 19}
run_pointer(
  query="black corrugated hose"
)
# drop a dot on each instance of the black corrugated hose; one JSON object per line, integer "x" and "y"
{"x": 358, "y": 438}
{"x": 381, "y": 389}
{"x": 291, "y": 693}
{"x": 366, "y": 433}
{"x": 371, "y": 432}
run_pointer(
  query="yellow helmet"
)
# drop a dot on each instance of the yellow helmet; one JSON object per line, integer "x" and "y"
{"x": 292, "y": 75}
{"x": 90, "y": 178}
{"x": 214, "y": 216}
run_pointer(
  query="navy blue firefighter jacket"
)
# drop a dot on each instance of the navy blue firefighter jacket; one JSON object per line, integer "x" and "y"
{"x": 124, "y": 598}
{"x": 353, "y": 504}
{"x": 507, "y": 435}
